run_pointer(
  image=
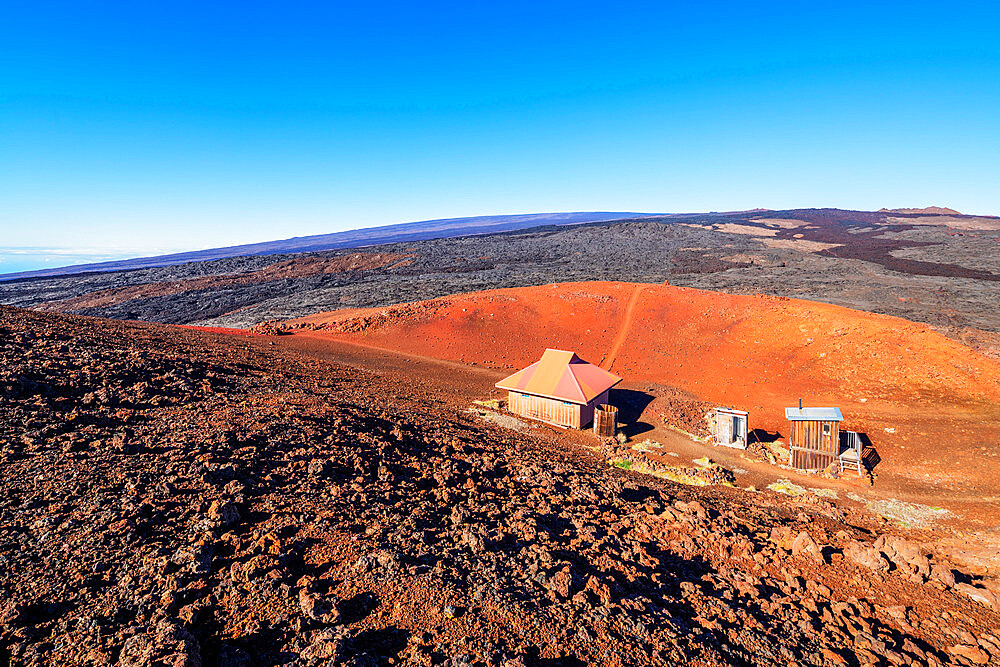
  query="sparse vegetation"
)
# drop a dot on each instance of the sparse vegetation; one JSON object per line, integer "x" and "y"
{"x": 787, "y": 487}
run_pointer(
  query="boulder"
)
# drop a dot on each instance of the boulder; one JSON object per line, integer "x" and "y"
{"x": 560, "y": 582}
{"x": 225, "y": 513}
{"x": 943, "y": 573}
{"x": 321, "y": 608}
{"x": 902, "y": 553}
{"x": 973, "y": 654}
{"x": 11, "y": 612}
{"x": 865, "y": 555}
{"x": 980, "y": 595}
{"x": 782, "y": 537}
{"x": 805, "y": 544}
{"x": 327, "y": 647}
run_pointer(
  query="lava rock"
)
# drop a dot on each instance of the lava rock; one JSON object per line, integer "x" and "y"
{"x": 318, "y": 607}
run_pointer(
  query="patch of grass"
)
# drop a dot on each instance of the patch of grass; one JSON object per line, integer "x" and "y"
{"x": 787, "y": 487}
{"x": 909, "y": 515}
{"x": 678, "y": 475}
{"x": 689, "y": 476}
{"x": 646, "y": 446}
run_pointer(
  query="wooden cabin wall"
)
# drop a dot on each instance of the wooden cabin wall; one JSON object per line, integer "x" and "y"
{"x": 808, "y": 459}
{"x": 547, "y": 409}
{"x": 809, "y": 448}
{"x": 809, "y": 435}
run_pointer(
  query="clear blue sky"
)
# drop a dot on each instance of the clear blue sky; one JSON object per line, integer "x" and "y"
{"x": 135, "y": 128}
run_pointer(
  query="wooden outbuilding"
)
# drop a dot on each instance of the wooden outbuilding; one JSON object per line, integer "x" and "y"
{"x": 560, "y": 388}
{"x": 814, "y": 439}
{"x": 730, "y": 427}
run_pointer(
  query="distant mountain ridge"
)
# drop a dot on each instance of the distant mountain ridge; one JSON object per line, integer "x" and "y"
{"x": 927, "y": 210}
{"x": 354, "y": 238}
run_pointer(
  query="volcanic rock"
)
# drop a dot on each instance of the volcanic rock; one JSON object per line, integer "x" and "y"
{"x": 318, "y": 607}
{"x": 865, "y": 555}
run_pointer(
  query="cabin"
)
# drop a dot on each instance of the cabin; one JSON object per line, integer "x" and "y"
{"x": 814, "y": 439}
{"x": 730, "y": 427}
{"x": 560, "y": 389}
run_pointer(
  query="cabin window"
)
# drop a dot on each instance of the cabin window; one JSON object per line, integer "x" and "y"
{"x": 826, "y": 429}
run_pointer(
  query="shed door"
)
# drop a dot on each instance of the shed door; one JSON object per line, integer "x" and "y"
{"x": 724, "y": 429}
{"x": 739, "y": 428}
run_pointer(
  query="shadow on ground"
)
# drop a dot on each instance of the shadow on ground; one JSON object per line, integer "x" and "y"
{"x": 631, "y": 404}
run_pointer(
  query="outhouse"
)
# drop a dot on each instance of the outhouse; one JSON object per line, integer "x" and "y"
{"x": 814, "y": 438}
{"x": 730, "y": 427}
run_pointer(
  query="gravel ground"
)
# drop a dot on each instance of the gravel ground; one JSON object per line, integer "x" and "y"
{"x": 173, "y": 497}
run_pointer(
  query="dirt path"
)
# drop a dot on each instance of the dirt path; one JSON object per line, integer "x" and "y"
{"x": 453, "y": 381}
{"x": 626, "y": 324}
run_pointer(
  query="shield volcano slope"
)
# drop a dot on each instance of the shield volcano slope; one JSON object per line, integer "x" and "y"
{"x": 928, "y": 403}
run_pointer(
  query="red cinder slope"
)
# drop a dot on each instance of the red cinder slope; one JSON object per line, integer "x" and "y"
{"x": 919, "y": 395}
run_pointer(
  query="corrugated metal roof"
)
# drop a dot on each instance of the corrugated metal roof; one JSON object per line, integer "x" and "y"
{"x": 561, "y": 375}
{"x": 813, "y": 414}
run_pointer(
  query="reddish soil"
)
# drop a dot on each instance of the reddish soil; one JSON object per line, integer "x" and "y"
{"x": 175, "y": 497}
{"x": 923, "y": 399}
{"x": 291, "y": 269}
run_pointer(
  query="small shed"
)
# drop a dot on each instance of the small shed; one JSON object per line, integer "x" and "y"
{"x": 730, "y": 427}
{"x": 560, "y": 388}
{"x": 814, "y": 439}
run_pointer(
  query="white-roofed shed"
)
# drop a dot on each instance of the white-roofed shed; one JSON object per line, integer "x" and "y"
{"x": 813, "y": 414}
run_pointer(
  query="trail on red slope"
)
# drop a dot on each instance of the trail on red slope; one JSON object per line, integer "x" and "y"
{"x": 926, "y": 401}
{"x": 626, "y": 324}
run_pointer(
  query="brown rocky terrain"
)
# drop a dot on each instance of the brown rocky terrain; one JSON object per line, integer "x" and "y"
{"x": 306, "y": 267}
{"x": 176, "y": 497}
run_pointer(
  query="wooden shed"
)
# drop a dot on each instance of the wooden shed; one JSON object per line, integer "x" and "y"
{"x": 814, "y": 439}
{"x": 560, "y": 388}
{"x": 730, "y": 427}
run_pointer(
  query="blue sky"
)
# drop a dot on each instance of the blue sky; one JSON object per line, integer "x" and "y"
{"x": 129, "y": 128}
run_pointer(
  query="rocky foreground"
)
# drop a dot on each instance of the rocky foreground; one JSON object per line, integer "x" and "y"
{"x": 171, "y": 497}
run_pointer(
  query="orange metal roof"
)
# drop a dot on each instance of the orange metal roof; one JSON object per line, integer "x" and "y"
{"x": 561, "y": 375}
